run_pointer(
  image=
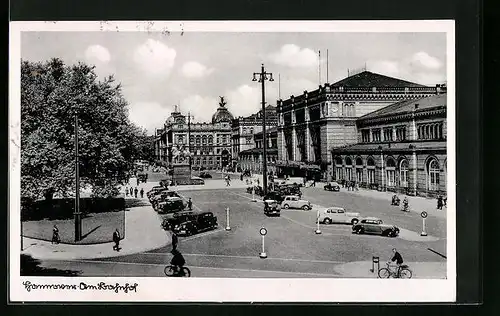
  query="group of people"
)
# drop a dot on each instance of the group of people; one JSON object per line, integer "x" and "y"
{"x": 441, "y": 201}
{"x": 396, "y": 201}
{"x": 350, "y": 185}
{"x": 134, "y": 191}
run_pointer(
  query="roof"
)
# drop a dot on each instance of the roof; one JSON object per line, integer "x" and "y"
{"x": 367, "y": 79}
{"x": 259, "y": 150}
{"x": 366, "y": 147}
{"x": 406, "y": 106}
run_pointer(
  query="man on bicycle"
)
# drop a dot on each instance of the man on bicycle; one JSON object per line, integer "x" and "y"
{"x": 177, "y": 261}
{"x": 398, "y": 258}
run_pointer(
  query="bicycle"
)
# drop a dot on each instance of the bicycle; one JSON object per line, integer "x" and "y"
{"x": 170, "y": 272}
{"x": 404, "y": 272}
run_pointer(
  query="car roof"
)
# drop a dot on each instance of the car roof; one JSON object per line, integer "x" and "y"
{"x": 335, "y": 208}
{"x": 372, "y": 218}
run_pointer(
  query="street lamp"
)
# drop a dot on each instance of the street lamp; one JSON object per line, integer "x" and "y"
{"x": 77, "y": 214}
{"x": 262, "y": 77}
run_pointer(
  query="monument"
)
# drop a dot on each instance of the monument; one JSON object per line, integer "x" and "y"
{"x": 181, "y": 168}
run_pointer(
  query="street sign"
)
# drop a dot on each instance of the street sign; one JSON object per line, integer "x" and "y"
{"x": 423, "y": 214}
{"x": 263, "y": 231}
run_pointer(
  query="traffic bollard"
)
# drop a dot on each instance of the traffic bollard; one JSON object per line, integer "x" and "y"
{"x": 263, "y": 233}
{"x": 318, "y": 231}
{"x": 253, "y": 195}
{"x": 424, "y": 216}
{"x": 375, "y": 260}
{"x": 227, "y": 219}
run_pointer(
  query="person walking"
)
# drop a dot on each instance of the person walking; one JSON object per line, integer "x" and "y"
{"x": 116, "y": 240}
{"x": 131, "y": 191}
{"x": 126, "y": 191}
{"x": 55, "y": 235}
{"x": 440, "y": 202}
{"x": 135, "y": 192}
{"x": 142, "y": 193}
{"x": 138, "y": 181}
{"x": 175, "y": 240}
{"x": 190, "y": 204}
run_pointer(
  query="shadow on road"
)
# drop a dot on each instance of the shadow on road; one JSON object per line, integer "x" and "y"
{"x": 90, "y": 232}
{"x": 31, "y": 267}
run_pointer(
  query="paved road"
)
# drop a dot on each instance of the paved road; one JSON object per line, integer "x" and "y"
{"x": 293, "y": 248}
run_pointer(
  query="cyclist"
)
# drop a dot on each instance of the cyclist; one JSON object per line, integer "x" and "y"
{"x": 177, "y": 261}
{"x": 398, "y": 258}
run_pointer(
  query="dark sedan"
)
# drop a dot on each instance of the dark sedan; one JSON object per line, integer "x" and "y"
{"x": 375, "y": 226}
{"x": 332, "y": 186}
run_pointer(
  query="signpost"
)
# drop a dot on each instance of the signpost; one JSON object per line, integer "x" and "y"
{"x": 318, "y": 231}
{"x": 227, "y": 219}
{"x": 263, "y": 233}
{"x": 424, "y": 216}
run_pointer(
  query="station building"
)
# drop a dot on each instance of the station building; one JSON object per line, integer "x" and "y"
{"x": 252, "y": 159}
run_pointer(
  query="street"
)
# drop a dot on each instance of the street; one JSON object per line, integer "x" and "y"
{"x": 292, "y": 247}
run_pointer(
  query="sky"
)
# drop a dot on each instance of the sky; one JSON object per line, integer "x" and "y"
{"x": 158, "y": 71}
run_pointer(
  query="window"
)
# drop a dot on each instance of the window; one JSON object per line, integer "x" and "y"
{"x": 218, "y": 151}
{"x": 403, "y": 173}
{"x": 180, "y": 139}
{"x": 340, "y": 211}
{"x": 391, "y": 172}
{"x": 370, "y": 170}
{"x": 430, "y": 131}
{"x": 365, "y": 136}
{"x": 400, "y": 133}
{"x": 218, "y": 139}
{"x": 376, "y": 135}
{"x": 249, "y": 140}
{"x": 388, "y": 134}
{"x": 210, "y": 139}
{"x": 349, "y": 109}
{"x": 348, "y": 173}
{"x": 359, "y": 170}
{"x": 338, "y": 168}
{"x": 191, "y": 139}
{"x": 433, "y": 175}
{"x": 198, "y": 140}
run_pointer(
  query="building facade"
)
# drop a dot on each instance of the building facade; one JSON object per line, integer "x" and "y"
{"x": 252, "y": 159}
{"x": 245, "y": 128}
{"x": 311, "y": 124}
{"x": 209, "y": 144}
{"x": 401, "y": 148}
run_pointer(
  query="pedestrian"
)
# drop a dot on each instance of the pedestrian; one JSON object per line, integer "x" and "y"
{"x": 190, "y": 204}
{"x": 131, "y": 191}
{"x": 138, "y": 181}
{"x": 142, "y": 193}
{"x": 116, "y": 240}
{"x": 440, "y": 202}
{"x": 135, "y": 192}
{"x": 126, "y": 191}
{"x": 55, "y": 235}
{"x": 444, "y": 200}
{"x": 313, "y": 184}
{"x": 241, "y": 177}
{"x": 175, "y": 240}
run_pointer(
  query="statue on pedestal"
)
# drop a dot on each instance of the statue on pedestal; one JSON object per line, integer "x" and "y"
{"x": 180, "y": 154}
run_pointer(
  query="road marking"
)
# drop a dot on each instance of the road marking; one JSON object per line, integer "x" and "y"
{"x": 434, "y": 251}
{"x": 202, "y": 234}
{"x": 246, "y": 197}
{"x": 246, "y": 257}
{"x": 198, "y": 267}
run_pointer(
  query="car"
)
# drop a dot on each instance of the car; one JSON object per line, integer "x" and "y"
{"x": 173, "y": 219}
{"x": 258, "y": 190}
{"x": 205, "y": 175}
{"x": 293, "y": 201}
{"x": 332, "y": 186}
{"x": 338, "y": 215}
{"x": 290, "y": 189}
{"x": 153, "y": 190}
{"x": 275, "y": 195}
{"x": 373, "y": 225}
{"x": 170, "y": 205}
{"x": 272, "y": 207}
{"x": 196, "y": 223}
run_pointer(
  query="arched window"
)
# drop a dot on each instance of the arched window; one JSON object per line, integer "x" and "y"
{"x": 403, "y": 173}
{"x": 338, "y": 169}
{"x": 204, "y": 139}
{"x": 348, "y": 169}
{"x": 359, "y": 169}
{"x": 433, "y": 174}
{"x": 210, "y": 139}
{"x": 370, "y": 170}
{"x": 390, "y": 169}
{"x": 198, "y": 140}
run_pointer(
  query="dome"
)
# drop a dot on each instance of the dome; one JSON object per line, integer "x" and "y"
{"x": 222, "y": 114}
{"x": 170, "y": 120}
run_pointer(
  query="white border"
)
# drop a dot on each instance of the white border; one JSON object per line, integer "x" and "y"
{"x": 234, "y": 290}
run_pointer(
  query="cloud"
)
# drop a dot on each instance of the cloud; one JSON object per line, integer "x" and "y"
{"x": 149, "y": 115}
{"x": 193, "y": 69}
{"x": 292, "y": 55}
{"x": 97, "y": 53}
{"x": 154, "y": 57}
{"x": 426, "y": 60}
{"x": 202, "y": 108}
{"x": 385, "y": 67}
{"x": 245, "y": 100}
{"x": 296, "y": 86}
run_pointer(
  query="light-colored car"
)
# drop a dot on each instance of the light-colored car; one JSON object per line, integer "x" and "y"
{"x": 338, "y": 215}
{"x": 293, "y": 201}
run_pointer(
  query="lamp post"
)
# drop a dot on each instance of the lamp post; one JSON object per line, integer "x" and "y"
{"x": 263, "y": 76}
{"x": 77, "y": 214}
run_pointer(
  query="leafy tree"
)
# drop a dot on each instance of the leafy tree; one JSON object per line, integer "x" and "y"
{"x": 52, "y": 93}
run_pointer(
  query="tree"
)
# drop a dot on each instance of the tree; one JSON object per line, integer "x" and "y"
{"x": 52, "y": 93}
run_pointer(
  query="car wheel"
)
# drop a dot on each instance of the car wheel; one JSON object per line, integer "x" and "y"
{"x": 305, "y": 208}
{"x": 286, "y": 206}
{"x": 327, "y": 221}
{"x": 360, "y": 230}
{"x": 354, "y": 221}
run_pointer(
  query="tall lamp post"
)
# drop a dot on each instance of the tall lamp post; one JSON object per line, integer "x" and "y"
{"x": 263, "y": 76}
{"x": 77, "y": 214}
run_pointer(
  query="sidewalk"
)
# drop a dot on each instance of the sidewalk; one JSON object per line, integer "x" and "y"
{"x": 420, "y": 270}
{"x": 143, "y": 232}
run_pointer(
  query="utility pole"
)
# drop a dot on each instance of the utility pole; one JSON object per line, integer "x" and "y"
{"x": 77, "y": 214}
{"x": 189, "y": 141}
{"x": 263, "y": 76}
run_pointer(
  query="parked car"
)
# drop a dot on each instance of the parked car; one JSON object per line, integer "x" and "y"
{"x": 170, "y": 205}
{"x": 156, "y": 199}
{"x": 290, "y": 189}
{"x": 274, "y": 195}
{"x": 338, "y": 215}
{"x": 272, "y": 207}
{"x": 173, "y": 219}
{"x": 293, "y": 201}
{"x": 154, "y": 189}
{"x": 332, "y": 186}
{"x": 165, "y": 182}
{"x": 197, "y": 222}
{"x": 258, "y": 190}
{"x": 205, "y": 175}
{"x": 157, "y": 194}
{"x": 373, "y": 225}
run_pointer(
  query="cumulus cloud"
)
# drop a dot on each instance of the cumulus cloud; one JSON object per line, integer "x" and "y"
{"x": 245, "y": 100}
{"x": 426, "y": 60}
{"x": 292, "y": 55}
{"x": 149, "y": 115}
{"x": 385, "y": 67}
{"x": 202, "y": 108}
{"x": 154, "y": 57}
{"x": 98, "y": 53}
{"x": 193, "y": 69}
{"x": 296, "y": 86}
